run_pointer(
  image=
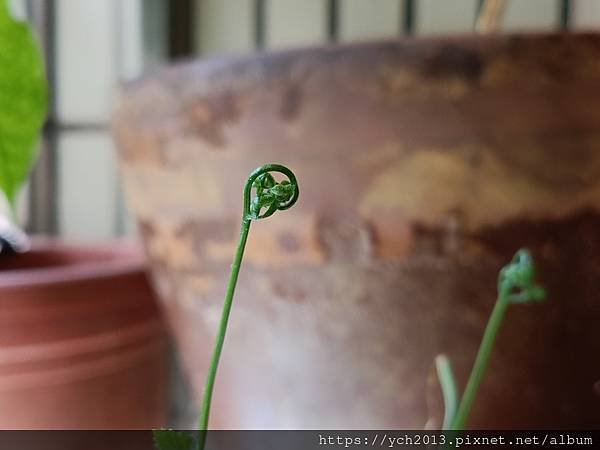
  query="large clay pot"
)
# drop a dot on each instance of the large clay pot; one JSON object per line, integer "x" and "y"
{"x": 423, "y": 165}
{"x": 82, "y": 344}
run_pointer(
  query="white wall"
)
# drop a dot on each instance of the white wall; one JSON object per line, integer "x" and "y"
{"x": 98, "y": 45}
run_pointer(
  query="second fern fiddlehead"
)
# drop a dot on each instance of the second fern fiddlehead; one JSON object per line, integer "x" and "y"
{"x": 516, "y": 284}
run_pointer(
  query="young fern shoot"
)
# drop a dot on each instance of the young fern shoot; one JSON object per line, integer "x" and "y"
{"x": 269, "y": 196}
{"x": 515, "y": 285}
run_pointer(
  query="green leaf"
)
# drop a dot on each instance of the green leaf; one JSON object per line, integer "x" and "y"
{"x": 173, "y": 440}
{"x": 23, "y": 101}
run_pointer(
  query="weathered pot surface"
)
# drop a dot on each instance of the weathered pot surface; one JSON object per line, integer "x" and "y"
{"x": 82, "y": 343}
{"x": 424, "y": 165}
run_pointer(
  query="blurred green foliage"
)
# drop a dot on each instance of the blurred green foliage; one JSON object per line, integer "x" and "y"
{"x": 23, "y": 102}
{"x": 173, "y": 440}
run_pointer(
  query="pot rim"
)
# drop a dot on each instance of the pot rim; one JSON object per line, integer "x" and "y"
{"x": 215, "y": 65}
{"x": 106, "y": 259}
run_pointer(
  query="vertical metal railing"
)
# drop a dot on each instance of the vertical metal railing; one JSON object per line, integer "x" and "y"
{"x": 408, "y": 24}
{"x": 566, "y": 9}
{"x": 42, "y": 205}
{"x": 181, "y": 25}
{"x": 333, "y": 11}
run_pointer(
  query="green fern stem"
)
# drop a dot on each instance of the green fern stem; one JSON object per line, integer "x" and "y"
{"x": 516, "y": 285}
{"x": 216, "y": 356}
{"x": 482, "y": 359}
{"x": 270, "y": 196}
{"x": 449, "y": 390}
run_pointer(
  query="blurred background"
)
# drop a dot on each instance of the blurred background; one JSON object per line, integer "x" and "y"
{"x": 92, "y": 47}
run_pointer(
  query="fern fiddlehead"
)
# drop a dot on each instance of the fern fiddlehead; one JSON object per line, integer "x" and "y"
{"x": 516, "y": 285}
{"x": 269, "y": 196}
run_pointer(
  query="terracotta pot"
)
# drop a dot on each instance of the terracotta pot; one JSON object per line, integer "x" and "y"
{"x": 423, "y": 164}
{"x": 82, "y": 345}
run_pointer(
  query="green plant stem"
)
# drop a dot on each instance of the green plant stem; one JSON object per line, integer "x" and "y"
{"x": 483, "y": 356}
{"x": 449, "y": 391}
{"x": 220, "y": 339}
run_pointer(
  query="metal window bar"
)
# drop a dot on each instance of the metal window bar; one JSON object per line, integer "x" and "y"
{"x": 181, "y": 26}
{"x": 333, "y": 10}
{"x": 566, "y": 7}
{"x": 43, "y": 192}
{"x": 408, "y": 24}
{"x": 260, "y": 19}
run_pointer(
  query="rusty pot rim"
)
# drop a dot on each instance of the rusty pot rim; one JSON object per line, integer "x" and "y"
{"x": 93, "y": 261}
{"x": 213, "y": 65}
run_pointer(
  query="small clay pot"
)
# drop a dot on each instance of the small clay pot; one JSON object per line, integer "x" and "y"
{"x": 423, "y": 165}
{"x": 82, "y": 344}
